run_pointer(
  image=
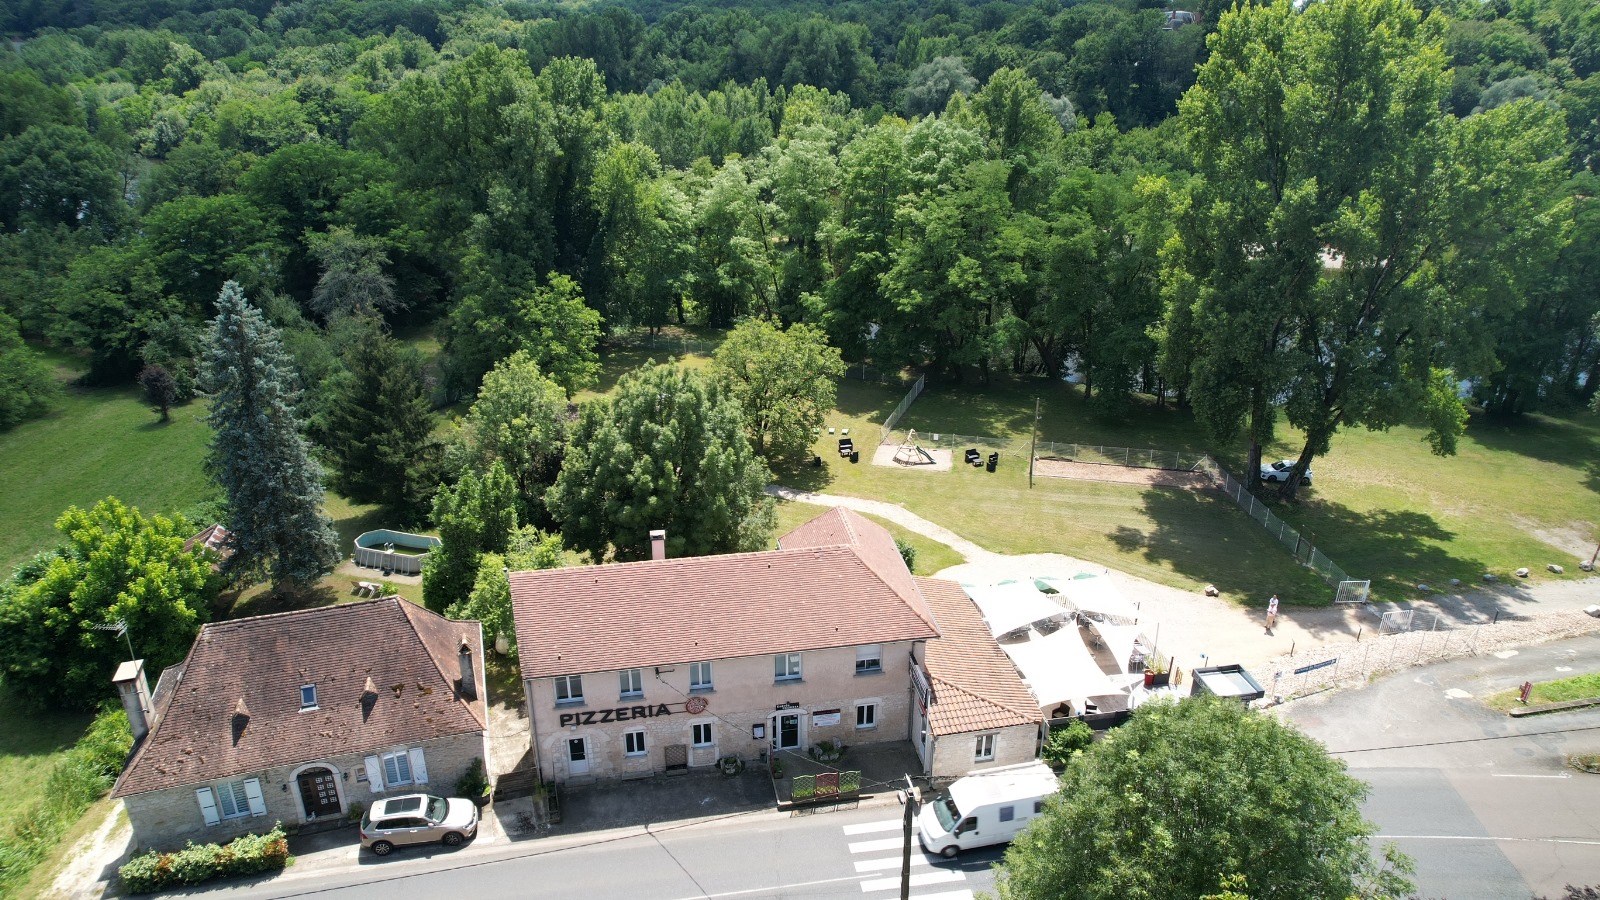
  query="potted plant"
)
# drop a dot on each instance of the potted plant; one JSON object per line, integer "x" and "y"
{"x": 730, "y": 765}
{"x": 1155, "y": 674}
{"x": 827, "y": 751}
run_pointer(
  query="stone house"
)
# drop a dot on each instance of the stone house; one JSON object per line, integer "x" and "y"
{"x": 302, "y": 717}
{"x": 634, "y": 669}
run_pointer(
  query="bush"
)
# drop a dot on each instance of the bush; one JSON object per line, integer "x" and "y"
{"x": 248, "y": 855}
{"x": 1064, "y": 742}
{"x": 473, "y": 783}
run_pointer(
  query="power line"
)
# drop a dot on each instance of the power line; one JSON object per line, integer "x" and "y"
{"x": 1473, "y": 740}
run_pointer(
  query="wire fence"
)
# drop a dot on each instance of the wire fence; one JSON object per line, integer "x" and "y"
{"x": 1301, "y": 547}
{"x": 905, "y": 404}
{"x": 1317, "y": 670}
{"x": 1182, "y": 460}
{"x": 866, "y": 373}
{"x": 944, "y": 440}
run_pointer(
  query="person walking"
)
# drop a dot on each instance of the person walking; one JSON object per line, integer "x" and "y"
{"x": 1272, "y": 612}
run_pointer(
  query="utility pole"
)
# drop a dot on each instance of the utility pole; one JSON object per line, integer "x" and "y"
{"x": 1033, "y": 442}
{"x": 908, "y": 798}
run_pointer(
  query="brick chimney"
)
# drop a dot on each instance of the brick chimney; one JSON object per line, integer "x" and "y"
{"x": 469, "y": 676}
{"x": 658, "y": 545}
{"x": 135, "y": 694}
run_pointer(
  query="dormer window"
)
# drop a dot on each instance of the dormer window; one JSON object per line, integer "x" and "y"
{"x": 308, "y": 697}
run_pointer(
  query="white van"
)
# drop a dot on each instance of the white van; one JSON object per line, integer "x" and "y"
{"x": 984, "y": 808}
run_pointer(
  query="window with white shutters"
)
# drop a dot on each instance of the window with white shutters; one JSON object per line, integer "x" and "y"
{"x": 396, "y": 768}
{"x": 232, "y": 800}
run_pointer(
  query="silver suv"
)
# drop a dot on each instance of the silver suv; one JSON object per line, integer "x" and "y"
{"x": 417, "y": 819}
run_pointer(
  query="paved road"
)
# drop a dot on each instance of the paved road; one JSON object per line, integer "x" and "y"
{"x": 849, "y": 853}
{"x": 1481, "y": 801}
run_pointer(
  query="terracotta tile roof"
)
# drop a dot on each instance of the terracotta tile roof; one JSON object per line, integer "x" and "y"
{"x": 585, "y": 619}
{"x": 215, "y": 539}
{"x": 975, "y": 685}
{"x": 263, "y": 661}
{"x": 840, "y": 526}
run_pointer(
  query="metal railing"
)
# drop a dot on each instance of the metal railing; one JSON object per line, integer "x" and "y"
{"x": 1183, "y": 460}
{"x": 905, "y": 404}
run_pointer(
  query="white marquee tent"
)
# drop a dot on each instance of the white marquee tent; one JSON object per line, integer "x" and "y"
{"x": 1059, "y": 668}
{"x": 1012, "y": 605}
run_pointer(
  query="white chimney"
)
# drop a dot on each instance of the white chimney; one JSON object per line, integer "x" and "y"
{"x": 135, "y": 694}
{"x": 469, "y": 677}
{"x": 658, "y": 545}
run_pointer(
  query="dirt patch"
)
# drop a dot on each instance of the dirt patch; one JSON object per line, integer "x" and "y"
{"x": 1573, "y": 538}
{"x": 927, "y": 461}
{"x": 1047, "y": 467}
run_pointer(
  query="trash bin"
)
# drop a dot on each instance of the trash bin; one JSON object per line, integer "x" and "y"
{"x": 994, "y": 461}
{"x": 855, "y": 456}
{"x": 816, "y": 462}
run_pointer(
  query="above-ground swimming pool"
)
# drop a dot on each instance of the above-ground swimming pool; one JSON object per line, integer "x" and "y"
{"x": 397, "y": 551}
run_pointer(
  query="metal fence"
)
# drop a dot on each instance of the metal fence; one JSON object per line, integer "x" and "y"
{"x": 866, "y": 373}
{"x": 905, "y": 404}
{"x": 1316, "y": 670}
{"x": 1183, "y": 460}
{"x": 1304, "y": 552}
{"x": 944, "y": 440}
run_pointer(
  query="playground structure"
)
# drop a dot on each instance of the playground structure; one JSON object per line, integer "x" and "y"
{"x": 910, "y": 453}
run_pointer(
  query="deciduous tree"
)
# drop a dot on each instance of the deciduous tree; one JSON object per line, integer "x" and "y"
{"x": 114, "y": 564}
{"x": 667, "y": 450}
{"x": 782, "y": 379}
{"x": 475, "y": 516}
{"x": 519, "y": 421}
{"x": 1192, "y": 793}
{"x": 258, "y": 455}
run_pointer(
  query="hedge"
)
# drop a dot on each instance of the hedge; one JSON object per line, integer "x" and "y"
{"x": 248, "y": 855}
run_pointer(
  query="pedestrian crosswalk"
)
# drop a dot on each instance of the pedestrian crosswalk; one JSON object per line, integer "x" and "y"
{"x": 878, "y": 856}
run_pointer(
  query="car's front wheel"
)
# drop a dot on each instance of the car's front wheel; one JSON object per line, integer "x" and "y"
{"x": 1305, "y": 481}
{"x": 382, "y": 848}
{"x": 950, "y": 852}
{"x": 452, "y": 839}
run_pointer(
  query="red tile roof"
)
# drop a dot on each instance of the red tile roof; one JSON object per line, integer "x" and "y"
{"x": 975, "y": 685}
{"x": 818, "y": 594}
{"x": 411, "y": 654}
{"x": 216, "y": 539}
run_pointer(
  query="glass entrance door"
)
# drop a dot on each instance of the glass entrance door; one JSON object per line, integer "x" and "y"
{"x": 788, "y": 732}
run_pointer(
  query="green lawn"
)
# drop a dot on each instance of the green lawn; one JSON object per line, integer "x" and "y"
{"x": 1170, "y": 536}
{"x": 31, "y": 742}
{"x": 95, "y": 444}
{"x": 1581, "y": 687}
{"x": 932, "y": 556}
{"x": 1383, "y": 506}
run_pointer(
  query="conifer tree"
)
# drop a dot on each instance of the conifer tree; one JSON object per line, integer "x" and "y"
{"x": 380, "y": 426}
{"x": 258, "y": 455}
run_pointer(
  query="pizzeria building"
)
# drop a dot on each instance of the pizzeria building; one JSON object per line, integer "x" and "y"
{"x": 634, "y": 669}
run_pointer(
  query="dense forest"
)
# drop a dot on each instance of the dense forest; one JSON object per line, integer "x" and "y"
{"x": 961, "y": 187}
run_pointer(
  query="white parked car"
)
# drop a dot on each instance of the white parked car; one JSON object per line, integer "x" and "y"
{"x": 1279, "y": 471}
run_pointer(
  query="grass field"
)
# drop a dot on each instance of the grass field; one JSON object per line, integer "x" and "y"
{"x": 31, "y": 743}
{"x": 1383, "y": 507}
{"x": 931, "y": 555}
{"x": 95, "y": 444}
{"x": 1581, "y": 687}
